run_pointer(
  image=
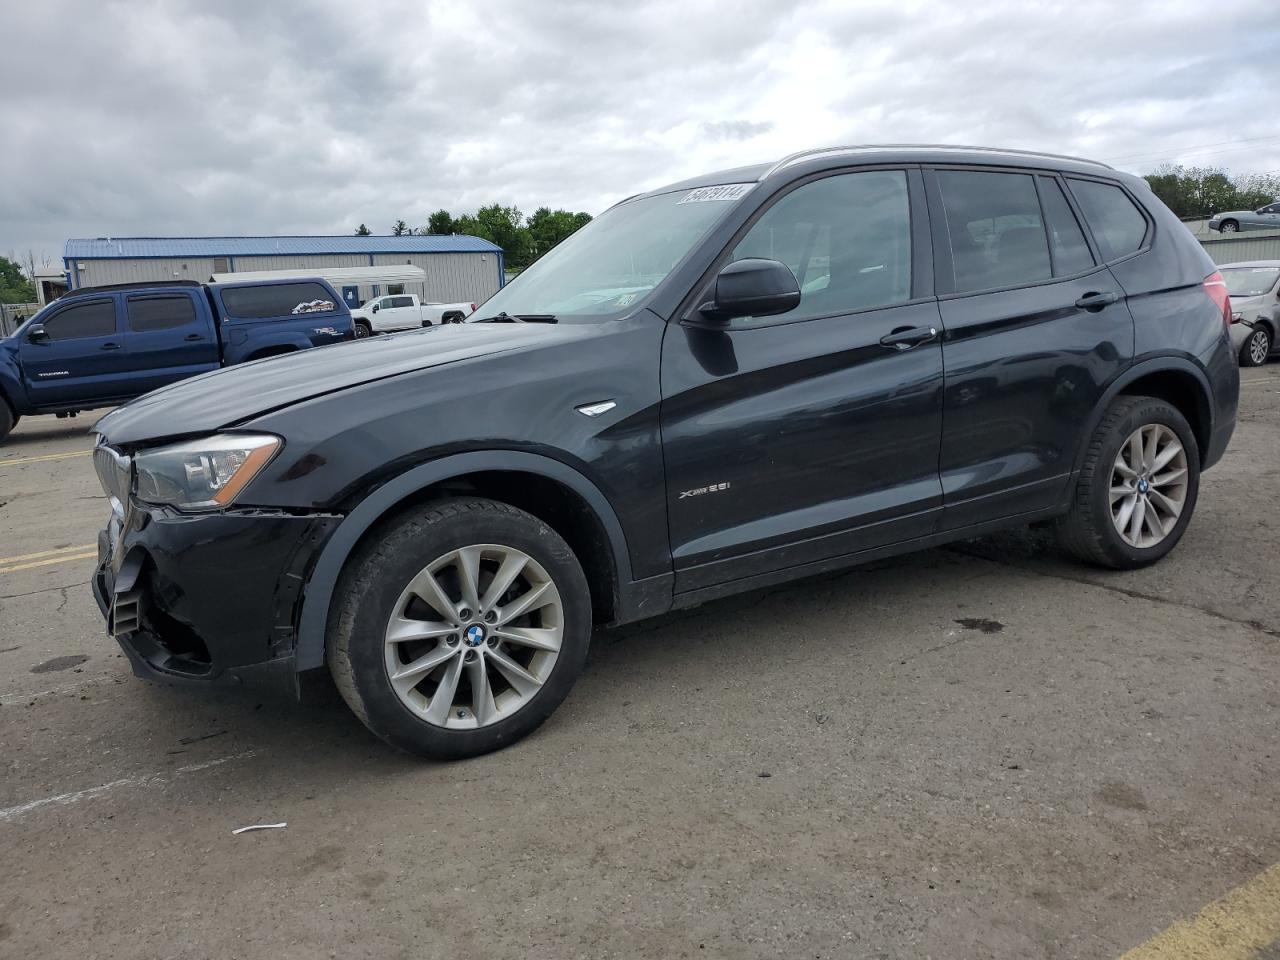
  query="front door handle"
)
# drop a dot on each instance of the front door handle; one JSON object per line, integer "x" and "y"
{"x": 904, "y": 338}
{"x": 110, "y": 346}
{"x": 1096, "y": 301}
{"x": 191, "y": 337}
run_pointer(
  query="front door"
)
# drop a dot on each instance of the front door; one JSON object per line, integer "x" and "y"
{"x": 802, "y": 437}
{"x": 1036, "y": 329}
{"x": 83, "y": 358}
{"x": 170, "y": 337}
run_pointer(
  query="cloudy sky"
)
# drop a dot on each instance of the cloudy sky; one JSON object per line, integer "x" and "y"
{"x": 176, "y": 118}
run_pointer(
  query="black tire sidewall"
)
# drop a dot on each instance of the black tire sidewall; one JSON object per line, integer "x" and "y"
{"x": 1148, "y": 412}
{"x": 384, "y": 575}
{"x": 8, "y": 419}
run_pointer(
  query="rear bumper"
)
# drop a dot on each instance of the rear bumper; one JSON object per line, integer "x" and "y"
{"x": 207, "y": 599}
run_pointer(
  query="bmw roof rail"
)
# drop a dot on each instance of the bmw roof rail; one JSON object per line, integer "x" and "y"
{"x": 810, "y": 154}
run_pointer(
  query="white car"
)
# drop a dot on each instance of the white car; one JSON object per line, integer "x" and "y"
{"x": 404, "y": 311}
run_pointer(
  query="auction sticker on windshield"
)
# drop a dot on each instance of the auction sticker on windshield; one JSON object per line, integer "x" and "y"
{"x": 723, "y": 191}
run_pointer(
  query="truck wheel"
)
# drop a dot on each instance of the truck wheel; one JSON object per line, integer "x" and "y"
{"x": 1256, "y": 347}
{"x": 459, "y": 628}
{"x": 8, "y": 419}
{"x": 362, "y": 330}
{"x": 1138, "y": 488}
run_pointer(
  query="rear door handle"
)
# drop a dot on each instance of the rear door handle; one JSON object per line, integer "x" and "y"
{"x": 904, "y": 338}
{"x": 190, "y": 337}
{"x": 110, "y": 346}
{"x": 1096, "y": 301}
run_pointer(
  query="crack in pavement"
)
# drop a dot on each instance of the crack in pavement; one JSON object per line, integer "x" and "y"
{"x": 1124, "y": 591}
{"x": 32, "y": 593}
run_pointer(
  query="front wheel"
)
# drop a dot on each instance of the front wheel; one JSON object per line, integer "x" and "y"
{"x": 1256, "y": 348}
{"x": 362, "y": 330}
{"x": 459, "y": 629}
{"x": 1138, "y": 488}
{"x": 1229, "y": 226}
{"x": 8, "y": 420}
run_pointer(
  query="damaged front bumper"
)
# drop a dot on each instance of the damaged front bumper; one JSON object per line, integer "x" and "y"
{"x": 207, "y": 598}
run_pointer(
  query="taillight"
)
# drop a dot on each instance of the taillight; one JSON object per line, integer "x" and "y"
{"x": 1216, "y": 288}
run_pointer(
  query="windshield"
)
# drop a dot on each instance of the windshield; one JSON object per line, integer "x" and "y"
{"x": 1250, "y": 281}
{"x": 614, "y": 262}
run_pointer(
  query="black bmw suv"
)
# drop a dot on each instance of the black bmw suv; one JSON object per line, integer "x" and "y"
{"x": 744, "y": 378}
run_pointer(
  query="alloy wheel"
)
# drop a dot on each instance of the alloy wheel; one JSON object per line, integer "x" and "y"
{"x": 474, "y": 636}
{"x": 1148, "y": 485}
{"x": 1259, "y": 347}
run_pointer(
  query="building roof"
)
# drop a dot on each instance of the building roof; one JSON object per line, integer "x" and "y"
{"x": 115, "y": 248}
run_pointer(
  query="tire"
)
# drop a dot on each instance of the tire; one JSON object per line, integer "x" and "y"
{"x": 1229, "y": 226}
{"x": 363, "y": 330}
{"x": 1090, "y": 529}
{"x": 374, "y": 602}
{"x": 8, "y": 420}
{"x": 1256, "y": 347}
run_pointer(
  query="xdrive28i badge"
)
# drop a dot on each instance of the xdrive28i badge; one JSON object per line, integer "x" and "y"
{"x": 699, "y": 491}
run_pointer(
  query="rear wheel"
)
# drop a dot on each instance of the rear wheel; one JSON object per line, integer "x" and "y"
{"x": 459, "y": 629}
{"x": 1138, "y": 488}
{"x": 8, "y": 419}
{"x": 1256, "y": 347}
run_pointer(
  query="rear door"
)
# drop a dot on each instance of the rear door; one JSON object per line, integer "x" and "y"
{"x": 169, "y": 337}
{"x": 1035, "y": 330}
{"x": 83, "y": 358}
{"x": 400, "y": 313}
{"x": 806, "y": 436}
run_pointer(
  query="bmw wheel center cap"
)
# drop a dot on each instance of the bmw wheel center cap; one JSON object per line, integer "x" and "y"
{"x": 1143, "y": 485}
{"x": 474, "y": 635}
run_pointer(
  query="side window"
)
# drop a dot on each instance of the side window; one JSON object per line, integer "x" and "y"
{"x": 1070, "y": 250}
{"x": 1117, "y": 225}
{"x": 97, "y": 318}
{"x": 993, "y": 222}
{"x": 160, "y": 313}
{"x": 846, "y": 238}
{"x": 404, "y": 301}
{"x": 276, "y": 300}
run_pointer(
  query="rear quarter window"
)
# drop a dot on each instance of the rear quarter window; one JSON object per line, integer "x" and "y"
{"x": 277, "y": 300}
{"x": 1117, "y": 224}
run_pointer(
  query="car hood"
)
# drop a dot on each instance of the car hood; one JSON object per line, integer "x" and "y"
{"x": 235, "y": 394}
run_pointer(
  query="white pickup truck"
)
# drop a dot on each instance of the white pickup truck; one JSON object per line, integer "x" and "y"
{"x": 404, "y": 311}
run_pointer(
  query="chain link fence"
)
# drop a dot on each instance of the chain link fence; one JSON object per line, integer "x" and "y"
{"x": 12, "y": 314}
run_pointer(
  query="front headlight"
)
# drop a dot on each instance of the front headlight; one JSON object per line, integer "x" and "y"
{"x": 204, "y": 474}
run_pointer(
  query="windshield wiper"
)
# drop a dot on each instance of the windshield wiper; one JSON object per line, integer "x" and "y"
{"x": 505, "y": 317}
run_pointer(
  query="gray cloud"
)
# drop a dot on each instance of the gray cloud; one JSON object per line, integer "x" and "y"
{"x": 253, "y": 117}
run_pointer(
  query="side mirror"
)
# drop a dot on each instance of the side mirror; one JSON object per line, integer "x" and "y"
{"x": 753, "y": 288}
{"x": 37, "y": 334}
{"x": 375, "y": 309}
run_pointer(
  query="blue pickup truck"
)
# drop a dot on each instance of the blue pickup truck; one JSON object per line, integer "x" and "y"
{"x": 100, "y": 346}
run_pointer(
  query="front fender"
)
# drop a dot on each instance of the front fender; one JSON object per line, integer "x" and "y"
{"x": 13, "y": 389}
{"x": 318, "y": 591}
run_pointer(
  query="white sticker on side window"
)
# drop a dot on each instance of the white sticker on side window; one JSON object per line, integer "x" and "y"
{"x": 723, "y": 191}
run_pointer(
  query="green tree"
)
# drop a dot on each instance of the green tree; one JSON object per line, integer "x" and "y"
{"x": 500, "y": 225}
{"x": 548, "y": 227}
{"x": 400, "y": 229}
{"x": 439, "y": 224}
{"x": 15, "y": 287}
{"x": 363, "y": 231}
{"x": 1200, "y": 191}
